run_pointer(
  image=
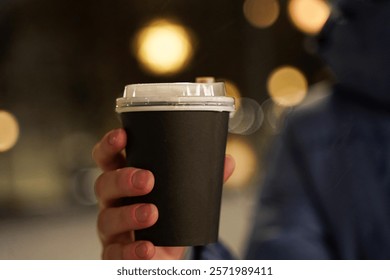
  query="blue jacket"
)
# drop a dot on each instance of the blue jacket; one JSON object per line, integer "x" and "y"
{"x": 326, "y": 194}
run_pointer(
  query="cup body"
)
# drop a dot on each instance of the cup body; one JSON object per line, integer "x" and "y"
{"x": 185, "y": 150}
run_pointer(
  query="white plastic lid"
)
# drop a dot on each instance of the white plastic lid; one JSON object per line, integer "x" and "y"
{"x": 175, "y": 97}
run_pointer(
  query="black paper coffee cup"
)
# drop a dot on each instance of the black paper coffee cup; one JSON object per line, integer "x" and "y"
{"x": 178, "y": 131}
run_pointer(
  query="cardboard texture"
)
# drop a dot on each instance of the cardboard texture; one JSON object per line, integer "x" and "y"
{"x": 185, "y": 150}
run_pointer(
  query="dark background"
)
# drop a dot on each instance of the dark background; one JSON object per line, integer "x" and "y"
{"x": 64, "y": 62}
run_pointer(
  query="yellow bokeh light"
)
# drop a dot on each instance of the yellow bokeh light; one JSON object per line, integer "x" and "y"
{"x": 9, "y": 131}
{"x": 163, "y": 47}
{"x": 233, "y": 91}
{"x": 287, "y": 86}
{"x": 309, "y": 16}
{"x": 261, "y": 13}
{"x": 246, "y": 162}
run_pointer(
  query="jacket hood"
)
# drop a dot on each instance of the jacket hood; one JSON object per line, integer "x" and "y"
{"x": 355, "y": 43}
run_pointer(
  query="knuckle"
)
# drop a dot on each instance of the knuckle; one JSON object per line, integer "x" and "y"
{"x": 110, "y": 252}
{"x": 122, "y": 180}
{"x": 127, "y": 217}
{"x": 128, "y": 252}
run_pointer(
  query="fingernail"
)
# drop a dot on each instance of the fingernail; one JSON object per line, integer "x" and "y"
{"x": 141, "y": 251}
{"x": 140, "y": 179}
{"x": 142, "y": 213}
{"x": 113, "y": 138}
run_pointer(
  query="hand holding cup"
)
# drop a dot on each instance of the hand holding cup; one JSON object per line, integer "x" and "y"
{"x": 116, "y": 224}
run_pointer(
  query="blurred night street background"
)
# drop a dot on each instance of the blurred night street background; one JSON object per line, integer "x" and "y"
{"x": 64, "y": 62}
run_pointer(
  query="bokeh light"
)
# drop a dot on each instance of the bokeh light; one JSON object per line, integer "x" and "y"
{"x": 287, "y": 86}
{"x": 309, "y": 16}
{"x": 261, "y": 13}
{"x": 274, "y": 114}
{"x": 248, "y": 116}
{"x": 163, "y": 47}
{"x": 246, "y": 162}
{"x": 83, "y": 185}
{"x": 9, "y": 131}
{"x": 232, "y": 89}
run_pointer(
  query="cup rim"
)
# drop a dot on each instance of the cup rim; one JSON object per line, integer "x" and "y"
{"x": 176, "y": 104}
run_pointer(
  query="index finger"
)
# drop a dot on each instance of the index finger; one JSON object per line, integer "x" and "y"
{"x": 108, "y": 152}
